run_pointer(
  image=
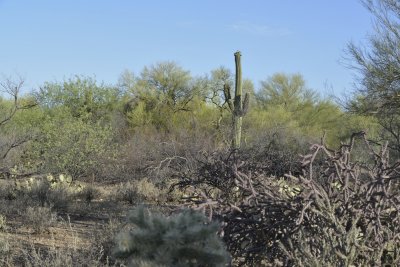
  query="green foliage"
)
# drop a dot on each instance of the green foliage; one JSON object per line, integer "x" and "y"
{"x": 182, "y": 240}
{"x": 17, "y": 133}
{"x": 126, "y": 81}
{"x": 377, "y": 64}
{"x": 285, "y": 105}
{"x": 140, "y": 115}
{"x": 151, "y": 126}
{"x": 80, "y": 96}
{"x": 220, "y": 78}
{"x": 159, "y": 93}
{"x": 43, "y": 192}
{"x": 287, "y": 90}
{"x": 13, "y": 136}
{"x": 169, "y": 82}
{"x": 71, "y": 145}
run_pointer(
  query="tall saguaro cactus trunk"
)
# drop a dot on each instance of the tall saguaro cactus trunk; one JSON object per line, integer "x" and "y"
{"x": 238, "y": 105}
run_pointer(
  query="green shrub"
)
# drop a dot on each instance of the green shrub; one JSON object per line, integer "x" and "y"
{"x": 182, "y": 240}
{"x": 71, "y": 146}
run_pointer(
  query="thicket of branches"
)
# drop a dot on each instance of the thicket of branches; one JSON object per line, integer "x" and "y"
{"x": 340, "y": 211}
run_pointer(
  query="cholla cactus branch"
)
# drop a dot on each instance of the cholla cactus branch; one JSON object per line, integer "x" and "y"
{"x": 341, "y": 211}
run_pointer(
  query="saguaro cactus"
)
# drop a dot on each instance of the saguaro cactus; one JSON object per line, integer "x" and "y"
{"x": 238, "y": 106}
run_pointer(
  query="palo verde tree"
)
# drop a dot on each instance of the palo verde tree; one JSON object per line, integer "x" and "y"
{"x": 288, "y": 109}
{"x": 82, "y": 97}
{"x": 378, "y": 65}
{"x": 170, "y": 83}
{"x": 159, "y": 93}
{"x": 290, "y": 91}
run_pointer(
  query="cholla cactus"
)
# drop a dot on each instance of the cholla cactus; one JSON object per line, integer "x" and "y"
{"x": 238, "y": 106}
{"x": 182, "y": 240}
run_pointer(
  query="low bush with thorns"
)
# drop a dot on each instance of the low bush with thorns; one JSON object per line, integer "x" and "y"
{"x": 339, "y": 212}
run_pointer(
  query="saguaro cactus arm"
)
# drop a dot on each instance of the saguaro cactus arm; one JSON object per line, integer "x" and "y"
{"x": 228, "y": 98}
{"x": 246, "y": 101}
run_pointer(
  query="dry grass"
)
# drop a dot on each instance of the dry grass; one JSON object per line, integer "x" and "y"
{"x": 80, "y": 232}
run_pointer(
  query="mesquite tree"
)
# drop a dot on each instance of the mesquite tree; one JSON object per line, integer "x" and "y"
{"x": 11, "y": 136}
{"x": 238, "y": 106}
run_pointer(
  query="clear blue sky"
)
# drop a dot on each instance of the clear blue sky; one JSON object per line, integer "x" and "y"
{"x": 52, "y": 40}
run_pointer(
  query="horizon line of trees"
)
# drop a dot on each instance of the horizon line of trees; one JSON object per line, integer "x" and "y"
{"x": 73, "y": 124}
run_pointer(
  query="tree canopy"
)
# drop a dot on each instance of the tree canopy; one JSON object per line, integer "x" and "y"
{"x": 378, "y": 65}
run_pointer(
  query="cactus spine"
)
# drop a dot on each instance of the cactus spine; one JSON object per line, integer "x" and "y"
{"x": 238, "y": 106}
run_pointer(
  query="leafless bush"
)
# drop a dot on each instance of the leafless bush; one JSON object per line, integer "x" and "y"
{"x": 338, "y": 213}
{"x": 68, "y": 257}
{"x": 40, "y": 218}
{"x": 89, "y": 193}
{"x": 156, "y": 155}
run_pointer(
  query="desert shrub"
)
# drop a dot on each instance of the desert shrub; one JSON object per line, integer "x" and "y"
{"x": 181, "y": 240}
{"x": 149, "y": 153}
{"x": 104, "y": 238}
{"x": 41, "y": 191}
{"x": 275, "y": 153}
{"x": 343, "y": 212}
{"x": 216, "y": 172}
{"x": 8, "y": 191}
{"x": 89, "y": 193}
{"x": 3, "y": 223}
{"x": 67, "y": 257}
{"x": 31, "y": 255}
{"x": 70, "y": 145}
{"x": 5, "y": 248}
{"x": 126, "y": 193}
{"x": 147, "y": 190}
{"x": 138, "y": 191}
{"x": 60, "y": 197}
{"x": 12, "y": 207}
{"x": 82, "y": 97}
{"x": 40, "y": 218}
